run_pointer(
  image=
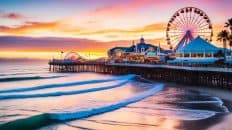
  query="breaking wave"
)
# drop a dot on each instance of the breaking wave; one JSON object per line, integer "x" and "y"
{"x": 67, "y": 84}
{"x": 41, "y": 120}
{"x": 9, "y": 79}
{"x": 61, "y": 93}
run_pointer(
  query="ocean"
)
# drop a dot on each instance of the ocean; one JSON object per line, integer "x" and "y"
{"x": 31, "y": 97}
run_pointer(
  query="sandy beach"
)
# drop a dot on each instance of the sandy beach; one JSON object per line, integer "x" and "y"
{"x": 226, "y": 95}
{"x": 223, "y": 121}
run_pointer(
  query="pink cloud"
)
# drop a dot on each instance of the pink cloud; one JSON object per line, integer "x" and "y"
{"x": 14, "y": 43}
{"x": 118, "y": 9}
{"x": 13, "y": 16}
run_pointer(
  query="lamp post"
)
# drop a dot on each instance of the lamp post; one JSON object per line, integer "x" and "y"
{"x": 61, "y": 53}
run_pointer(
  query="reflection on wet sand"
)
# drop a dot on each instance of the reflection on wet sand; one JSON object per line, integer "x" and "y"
{"x": 159, "y": 112}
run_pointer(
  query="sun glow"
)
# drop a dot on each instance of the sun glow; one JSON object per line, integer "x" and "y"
{"x": 48, "y": 55}
{"x": 94, "y": 28}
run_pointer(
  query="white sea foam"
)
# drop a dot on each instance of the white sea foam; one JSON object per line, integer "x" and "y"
{"x": 67, "y": 84}
{"x": 61, "y": 93}
{"x": 9, "y": 79}
{"x": 203, "y": 102}
{"x": 111, "y": 107}
{"x": 216, "y": 100}
{"x": 223, "y": 106}
{"x": 175, "y": 113}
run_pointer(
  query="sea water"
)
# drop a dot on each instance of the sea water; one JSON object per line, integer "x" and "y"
{"x": 31, "y": 97}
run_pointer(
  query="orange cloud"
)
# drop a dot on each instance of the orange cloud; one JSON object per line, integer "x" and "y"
{"x": 58, "y": 27}
{"x": 47, "y": 48}
{"x": 156, "y": 27}
{"x": 29, "y": 27}
{"x": 52, "y": 44}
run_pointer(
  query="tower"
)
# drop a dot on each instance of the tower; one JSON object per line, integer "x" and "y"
{"x": 142, "y": 40}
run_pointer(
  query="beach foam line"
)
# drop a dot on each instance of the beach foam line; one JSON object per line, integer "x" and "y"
{"x": 219, "y": 103}
{"x": 203, "y": 102}
{"x": 112, "y": 122}
{"x": 39, "y": 121}
{"x": 185, "y": 114}
{"x": 7, "y": 74}
{"x": 111, "y": 107}
{"x": 216, "y": 100}
{"x": 62, "y": 93}
{"x": 10, "y": 79}
{"x": 67, "y": 84}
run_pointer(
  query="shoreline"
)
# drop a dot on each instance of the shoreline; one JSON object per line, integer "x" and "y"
{"x": 225, "y": 120}
{"x": 225, "y": 95}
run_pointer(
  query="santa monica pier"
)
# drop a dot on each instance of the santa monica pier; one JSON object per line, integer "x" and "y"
{"x": 192, "y": 58}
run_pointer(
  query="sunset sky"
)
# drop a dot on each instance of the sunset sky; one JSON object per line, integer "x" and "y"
{"x": 42, "y": 28}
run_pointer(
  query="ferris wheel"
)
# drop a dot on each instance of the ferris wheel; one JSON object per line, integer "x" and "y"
{"x": 186, "y": 24}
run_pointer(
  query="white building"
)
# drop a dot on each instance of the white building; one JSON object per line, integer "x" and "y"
{"x": 198, "y": 51}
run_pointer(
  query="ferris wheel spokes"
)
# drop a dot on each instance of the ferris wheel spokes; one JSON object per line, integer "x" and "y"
{"x": 186, "y": 24}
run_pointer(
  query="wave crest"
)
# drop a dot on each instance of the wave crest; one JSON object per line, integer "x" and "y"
{"x": 41, "y": 120}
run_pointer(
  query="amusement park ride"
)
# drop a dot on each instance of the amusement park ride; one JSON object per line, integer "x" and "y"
{"x": 75, "y": 57}
{"x": 185, "y": 25}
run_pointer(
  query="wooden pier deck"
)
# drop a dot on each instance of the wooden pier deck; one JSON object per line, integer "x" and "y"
{"x": 199, "y": 76}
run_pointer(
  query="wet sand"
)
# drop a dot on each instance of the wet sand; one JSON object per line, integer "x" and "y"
{"x": 225, "y": 124}
{"x": 221, "y": 121}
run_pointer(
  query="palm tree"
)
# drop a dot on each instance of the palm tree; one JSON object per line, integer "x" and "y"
{"x": 224, "y": 37}
{"x": 230, "y": 44}
{"x": 229, "y": 25}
